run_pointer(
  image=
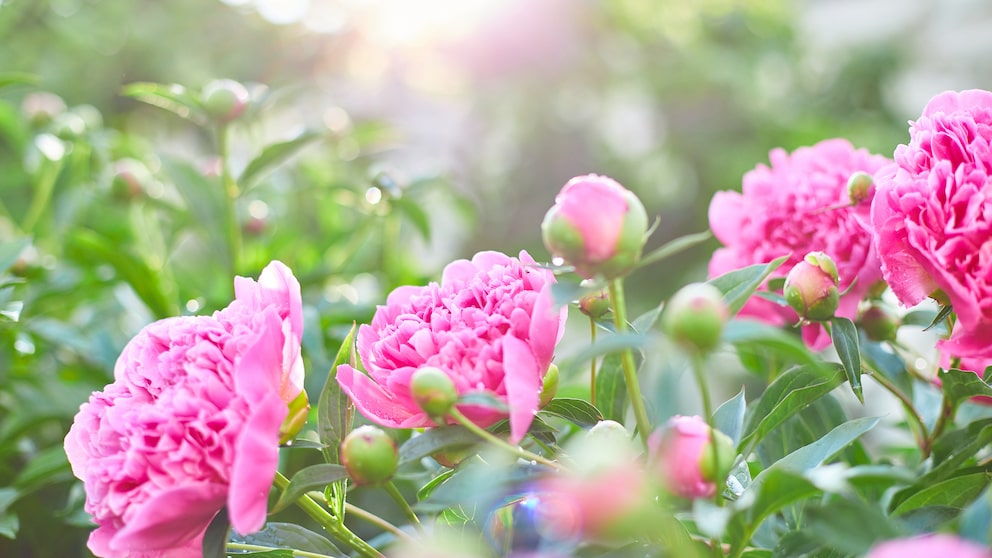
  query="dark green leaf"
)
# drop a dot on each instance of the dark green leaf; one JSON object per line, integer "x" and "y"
{"x": 215, "y": 539}
{"x": 415, "y": 213}
{"x": 425, "y": 491}
{"x": 434, "y": 440}
{"x": 173, "y": 98}
{"x": 976, "y": 520}
{"x": 751, "y": 333}
{"x": 813, "y": 455}
{"x": 845, "y": 337}
{"x": 289, "y": 536}
{"x": 10, "y": 250}
{"x": 604, "y": 345}
{"x": 919, "y": 318}
{"x": 940, "y": 317}
{"x": 16, "y": 78}
{"x": 611, "y": 389}
{"x": 334, "y": 409}
{"x": 956, "y": 492}
{"x": 778, "y": 488}
{"x": 9, "y": 525}
{"x": 276, "y": 154}
{"x": 303, "y": 443}
{"x": 729, "y": 417}
{"x": 883, "y": 361}
{"x": 738, "y": 285}
{"x": 674, "y": 246}
{"x": 959, "y": 385}
{"x": 850, "y": 526}
{"x": 787, "y": 395}
{"x": 802, "y": 429}
{"x": 42, "y": 469}
{"x": 314, "y": 477}
{"x": 203, "y": 200}
{"x": 576, "y": 411}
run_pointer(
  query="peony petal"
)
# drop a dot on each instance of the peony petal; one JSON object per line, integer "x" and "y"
{"x": 523, "y": 385}
{"x": 373, "y": 401}
{"x": 170, "y": 518}
{"x": 546, "y": 328}
{"x": 259, "y": 371}
{"x": 256, "y": 460}
{"x": 279, "y": 287}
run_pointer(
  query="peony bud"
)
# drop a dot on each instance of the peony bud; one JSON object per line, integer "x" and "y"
{"x": 549, "y": 386}
{"x": 694, "y": 317}
{"x": 41, "y": 107}
{"x": 595, "y": 305}
{"x": 927, "y": 546}
{"x": 811, "y": 287}
{"x": 859, "y": 187}
{"x": 369, "y": 455}
{"x": 682, "y": 450}
{"x": 433, "y": 391}
{"x": 225, "y": 99}
{"x": 130, "y": 179}
{"x": 878, "y": 324}
{"x": 597, "y": 226}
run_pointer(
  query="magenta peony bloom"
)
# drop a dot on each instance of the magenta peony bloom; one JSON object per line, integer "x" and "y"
{"x": 191, "y": 423}
{"x": 928, "y": 546}
{"x": 490, "y": 326}
{"x": 682, "y": 450}
{"x": 933, "y": 216}
{"x": 596, "y": 225}
{"x": 800, "y": 204}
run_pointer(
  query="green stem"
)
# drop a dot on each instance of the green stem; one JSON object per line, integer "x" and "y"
{"x": 947, "y": 409}
{"x": 327, "y": 521}
{"x": 489, "y": 437}
{"x": 259, "y": 548}
{"x": 698, "y": 370}
{"x": 922, "y": 436}
{"x": 379, "y": 522}
{"x": 231, "y": 194}
{"x": 394, "y": 492}
{"x": 627, "y": 359}
{"x": 592, "y": 363}
{"x": 42, "y": 195}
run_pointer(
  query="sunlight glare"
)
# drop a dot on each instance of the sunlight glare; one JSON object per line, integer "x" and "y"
{"x": 424, "y": 22}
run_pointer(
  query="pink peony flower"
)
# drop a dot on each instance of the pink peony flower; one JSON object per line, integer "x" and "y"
{"x": 596, "y": 225}
{"x": 928, "y": 546}
{"x": 933, "y": 217}
{"x": 682, "y": 450}
{"x": 799, "y": 204}
{"x": 191, "y": 423}
{"x": 490, "y": 325}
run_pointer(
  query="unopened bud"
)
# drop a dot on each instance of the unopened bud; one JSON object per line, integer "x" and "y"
{"x": 878, "y": 324}
{"x": 433, "y": 391}
{"x": 811, "y": 287}
{"x": 695, "y": 316}
{"x": 595, "y": 305}
{"x": 130, "y": 179}
{"x": 225, "y": 99}
{"x": 369, "y": 455}
{"x": 683, "y": 453}
{"x": 859, "y": 187}
{"x": 41, "y": 107}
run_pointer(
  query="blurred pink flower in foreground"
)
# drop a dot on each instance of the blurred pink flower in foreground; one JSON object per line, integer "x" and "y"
{"x": 933, "y": 215}
{"x": 800, "y": 204}
{"x": 191, "y": 423}
{"x": 490, "y": 325}
{"x": 682, "y": 453}
{"x": 928, "y": 546}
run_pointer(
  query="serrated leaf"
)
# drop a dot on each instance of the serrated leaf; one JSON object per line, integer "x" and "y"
{"x": 215, "y": 538}
{"x": 956, "y": 492}
{"x": 729, "y": 417}
{"x": 959, "y": 385}
{"x": 334, "y": 409}
{"x": 788, "y": 394}
{"x": 845, "y": 338}
{"x": 737, "y": 286}
{"x": 673, "y": 247}
{"x": 314, "y": 477}
{"x": 289, "y": 536}
{"x": 275, "y": 154}
{"x": 172, "y": 97}
{"x": 576, "y": 411}
{"x": 415, "y": 214}
{"x": 435, "y": 440}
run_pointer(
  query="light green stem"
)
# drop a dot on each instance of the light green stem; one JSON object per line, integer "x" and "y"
{"x": 327, "y": 521}
{"x": 627, "y": 360}
{"x": 259, "y": 548}
{"x": 394, "y": 492}
{"x": 489, "y": 437}
{"x": 698, "y": 370}
{"x": 370, "y": 517}
{"x": 42, "y": 194}
{"x": 231, "y": 194}
{"x": 592, "y": 363}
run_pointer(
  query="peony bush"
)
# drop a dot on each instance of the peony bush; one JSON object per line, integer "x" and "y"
{"x": 493, "y": 433}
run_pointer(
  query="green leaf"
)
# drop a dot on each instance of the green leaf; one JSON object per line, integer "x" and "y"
{"x": 729, "y": 417}
{"x": 808, "y": 457}
{"x": 919, "y": 318}
{"x": 415, "y": 213}
{"x": 215, "y": 538}
{"x": 959, "y": 385}
{"x": 752, "y": 333}
{"x": 940, "y": 317}
{"x": 957, "y": 446}
{"x": 434, "y": 440}
{"x": 9, "y": 525}
{"x": 314, "y": 477}
{"x": 976, "y": 520}
{"x": 42, "y": 469}
{"x": 276, "y": 154}
{"x": 173, "y": 98}
{"x": 334, "y": 409}
{"x": 644, "y": 322}
{"x": 426, "y": 490}
{"x": 778, "y": 489}
{"x": 483, "y": 399}
{"x": 787, "y": 395}
{"x": 673, "y": 247}
{"x": 10, "y": 250}
{"x": 604, "y": 345}
{"x": 738, "y": 285}
{"x": 289, "y": 536}
{"x": 885, "y": 362}
{"x": 576, "y": 411}
{"x": 845, "y": 337}
{"x": 850, "y": 526}
{"x": 956, "y": 492}
{"x": 566, "y": 291}
{"x": 611, "y": 389}
{"x": 16, "y": 78}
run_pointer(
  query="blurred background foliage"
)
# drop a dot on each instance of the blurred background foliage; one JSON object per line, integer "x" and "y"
{"x": 384, "y": 138}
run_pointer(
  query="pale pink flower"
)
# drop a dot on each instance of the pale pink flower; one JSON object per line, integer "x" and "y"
{"x": 682, "y": 455}
{"x": 575, "y": 506}
{"x": 191, "y": 423}
{"x": 929, "y": 546}
{"x": 490, "y": 325}
{"x": 933, "y": 217}
{"x": 798, "y": 205}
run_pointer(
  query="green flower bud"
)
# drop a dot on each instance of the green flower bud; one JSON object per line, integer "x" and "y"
{"x": 595, "y": 305}
{"x": 726, "y": 453}
{"x": 858, "y": 187}
{"x": 369, "y": 455}
{"x": 811, "y": 287}
{"x": 878, "y": 324}
{"x": 695, "y": 316}
{"x": 225, "y": 99}
{"x": 433, "y": 391}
